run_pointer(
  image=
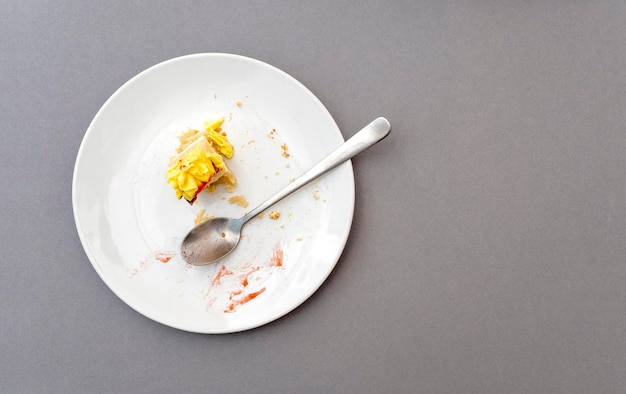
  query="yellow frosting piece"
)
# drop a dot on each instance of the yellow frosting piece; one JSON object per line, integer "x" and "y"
{"x": 217, "y": 139}
{"x": 194, "y": 171}
{"x": 213, "y": 124}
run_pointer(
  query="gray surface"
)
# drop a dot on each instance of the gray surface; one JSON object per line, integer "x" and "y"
{"x": 489, "y": 241}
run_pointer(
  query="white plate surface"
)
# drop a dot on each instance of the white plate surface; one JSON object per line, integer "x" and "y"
{"x": 131, "y": 224}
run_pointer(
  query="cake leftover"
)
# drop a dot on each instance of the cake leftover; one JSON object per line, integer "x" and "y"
{"x": 199, "y": 163}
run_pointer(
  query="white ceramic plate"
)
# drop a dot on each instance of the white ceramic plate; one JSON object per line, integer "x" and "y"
{"x": 131, "y": 224}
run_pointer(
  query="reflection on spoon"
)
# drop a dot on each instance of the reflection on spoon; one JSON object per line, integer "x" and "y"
{"x": 215, "y": 238}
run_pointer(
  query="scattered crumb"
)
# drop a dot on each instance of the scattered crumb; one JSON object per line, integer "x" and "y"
{"x": 201, "y": 217}
{"x": 284, "y": 148}
{"x": 260, "y": 216}
{"x": 274, "y": 215}
{"x": 316, "y": 195}
{"x": 239, "y": 200}
{"x": 239, "y": 104}
{"x": 230, "y": 188}
{"x": 299, "y": 238}
{"x": 271, "y": 133}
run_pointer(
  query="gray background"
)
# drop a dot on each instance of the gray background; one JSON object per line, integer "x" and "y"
{"x": 488, "y": 248}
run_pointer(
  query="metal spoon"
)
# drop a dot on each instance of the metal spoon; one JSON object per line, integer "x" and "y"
{"x": 210, "y": 241}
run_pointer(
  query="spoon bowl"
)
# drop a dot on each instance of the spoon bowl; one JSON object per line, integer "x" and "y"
{"x": 212, "y": 240}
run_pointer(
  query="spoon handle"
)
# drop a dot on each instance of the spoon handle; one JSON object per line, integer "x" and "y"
{"x": 365, "y": 138}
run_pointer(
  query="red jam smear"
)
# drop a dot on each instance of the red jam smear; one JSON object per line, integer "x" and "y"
{"x": 163, "y": 257}
{"x": 246, "y": 298}
{"x": 239, "y": 295}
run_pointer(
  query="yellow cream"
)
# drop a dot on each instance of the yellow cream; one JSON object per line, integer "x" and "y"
{"x": 191, "y": 173}
{"x": 217, "y": 139}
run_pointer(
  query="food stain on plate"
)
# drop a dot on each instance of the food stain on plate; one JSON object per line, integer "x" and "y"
{"x": 164, "y": 257}
{"x": 145, "y": 264}
{"x": 231, "y": 287}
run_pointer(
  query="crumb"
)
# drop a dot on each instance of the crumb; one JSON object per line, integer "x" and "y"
{"x": 284, "y": 148}
{"x": 274, "y": 215}
{"x": 238, "y": 104}
{"x": 271, "y": 133}
{"x": 201, "y": 217}
{"x": 299, "y": 238}
{"x": 230, "y": 189}
{"x": 260, "y": 216}
{"x": 316, "y": 196}
{"x": 239, "y": 200}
